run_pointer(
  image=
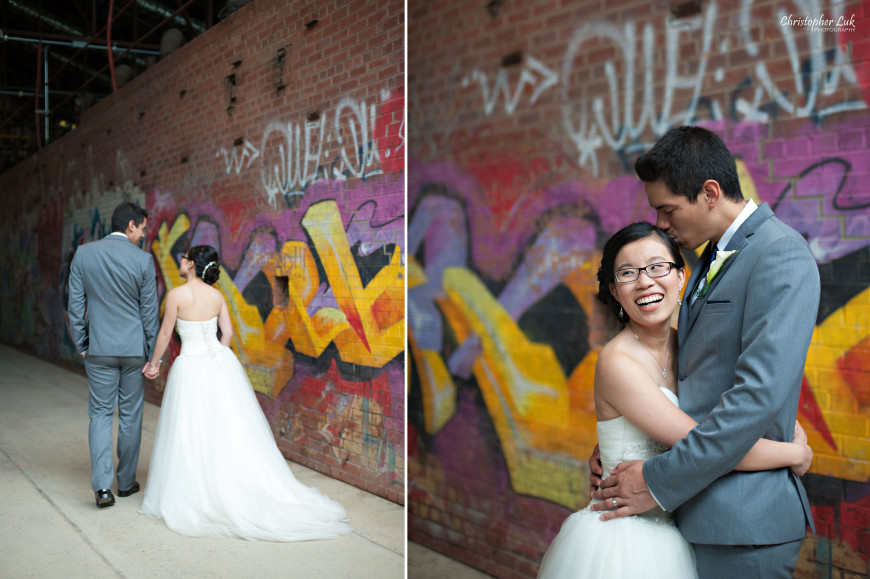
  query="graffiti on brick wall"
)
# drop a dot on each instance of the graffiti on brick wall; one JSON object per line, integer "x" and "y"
{"x": 534, "y": 74}
{"x": 526, "y": 339}
{"x": 363, "y": 418}
{"x": 316, "y": 299}
{"x": 504, "y": 330}
{"x": 358, "y": 140}
{"x": 317, "y": 296}
{"x": 55, "y": 211}
{"x": 628, "y": 117}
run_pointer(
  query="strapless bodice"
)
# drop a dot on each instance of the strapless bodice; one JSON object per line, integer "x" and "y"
{"x": 619, "y": 440}
{"x": 198, "y": 338}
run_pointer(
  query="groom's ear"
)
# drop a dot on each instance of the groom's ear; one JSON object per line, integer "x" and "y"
{"x": 712, "y": 192}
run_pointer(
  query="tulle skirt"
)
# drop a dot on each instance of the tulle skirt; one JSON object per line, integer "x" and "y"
{"x": 216, "y": 470}
{"x": 626, "y": 548}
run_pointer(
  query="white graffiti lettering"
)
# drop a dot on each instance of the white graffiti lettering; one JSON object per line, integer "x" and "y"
{"x": 237, "y": 158}
{"x": 292, "y": 156}
{"x": 613, "y": 120}
{"x": 534, "y": 74}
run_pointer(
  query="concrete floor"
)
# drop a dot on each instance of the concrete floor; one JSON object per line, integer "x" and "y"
{"x": 424, "y": 563}
{"x": 50, "y": 526}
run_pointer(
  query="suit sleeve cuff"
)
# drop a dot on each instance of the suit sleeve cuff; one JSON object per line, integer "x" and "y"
{"x": 649, "y": 488}
{"x": 656, "y": 500}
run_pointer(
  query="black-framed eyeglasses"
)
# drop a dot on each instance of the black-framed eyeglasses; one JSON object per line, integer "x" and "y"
{"x": 653, "y": 270}
{"x": 182, "y": 256}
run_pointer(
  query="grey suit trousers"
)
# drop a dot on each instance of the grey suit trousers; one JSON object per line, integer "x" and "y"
{"x": 747, "y": 561}
{"x": 114, "y": 380}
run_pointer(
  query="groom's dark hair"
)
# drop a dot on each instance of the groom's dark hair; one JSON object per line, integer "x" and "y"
{"x": 684, "y": 158}
{"x": 626, "y": 235}
{"x": 125, "y": 212}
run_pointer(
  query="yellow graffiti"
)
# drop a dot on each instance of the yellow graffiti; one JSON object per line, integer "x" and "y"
{"x": 845, "y": 415}
{"x": 368, "y": 327}
{"x": 436, "y": 385}
{"x": 546, "y": 441}
{"x": 377, "y": 310}
{"x": 161, "y": 249}
{"x": 545, "y": 422}
{"x": 747, "y": 185}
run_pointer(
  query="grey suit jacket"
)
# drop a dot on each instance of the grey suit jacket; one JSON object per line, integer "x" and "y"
{"x": 113, "y": 307}
{"x": 743, "y": 347}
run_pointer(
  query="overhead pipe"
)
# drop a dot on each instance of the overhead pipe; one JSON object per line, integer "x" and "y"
{"x": 109, "y": 44}
{"x": 64, "y": 65}
{"x": 132, "y": 46}
{"x": 76, "y": 43}
{"x": 95, "y": 36}
{"x": 21, "y": 93}
{"x": 88, "y": 42}
{"x": 36, "y": 96}
{"x": 39, "y": 16}
{"x": 45, "y": 104}
{"x": 73, "y": 57}
{"x": 73, "y": 42}
{"x": 181, "y": 8}
{"x": 160, "y": 10}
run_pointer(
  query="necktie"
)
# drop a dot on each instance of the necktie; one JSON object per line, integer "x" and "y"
{"x": 702, "y": 279}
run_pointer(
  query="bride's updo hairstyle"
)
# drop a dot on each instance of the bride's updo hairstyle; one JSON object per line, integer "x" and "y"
{"x": 206, "y": 261}
{"x": 626, "y": 235}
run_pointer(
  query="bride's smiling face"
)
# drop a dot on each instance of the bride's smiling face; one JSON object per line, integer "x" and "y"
{"x": 647, "y": 299}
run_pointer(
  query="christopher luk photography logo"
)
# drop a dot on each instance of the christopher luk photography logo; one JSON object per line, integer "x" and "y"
{"x": 820, "y": 23}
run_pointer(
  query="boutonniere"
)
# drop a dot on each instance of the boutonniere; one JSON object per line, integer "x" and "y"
{"x": 722, "y": 258}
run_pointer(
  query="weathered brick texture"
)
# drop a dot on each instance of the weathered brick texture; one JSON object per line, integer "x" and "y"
{"x": 526, "y": 120}
{"x": 282, "y": 145}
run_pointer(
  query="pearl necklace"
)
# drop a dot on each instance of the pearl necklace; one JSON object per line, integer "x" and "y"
{"x": 667, "y": 351}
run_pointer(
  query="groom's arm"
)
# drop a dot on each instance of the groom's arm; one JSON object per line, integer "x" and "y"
{"x": 76, "y": 306}
{"x": 149, "y": 308}
{"x": 778, "y": 320}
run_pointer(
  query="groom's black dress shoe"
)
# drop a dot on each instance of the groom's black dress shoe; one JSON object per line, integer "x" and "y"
{"x": 132, "y": 490}
{"x": 104, "y": 498}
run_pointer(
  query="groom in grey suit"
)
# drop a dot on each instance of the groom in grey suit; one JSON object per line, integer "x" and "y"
{"x": 113, "y": 314}
{"x": 743, "y": 341}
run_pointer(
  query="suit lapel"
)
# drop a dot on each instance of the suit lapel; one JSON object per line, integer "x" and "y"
{"x": 693, "y": 308}
{"x": 738, "y": 242}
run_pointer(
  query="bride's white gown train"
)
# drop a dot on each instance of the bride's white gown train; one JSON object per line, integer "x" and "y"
{"x": 215, "y": 469}
{"x": 647, "y": 546}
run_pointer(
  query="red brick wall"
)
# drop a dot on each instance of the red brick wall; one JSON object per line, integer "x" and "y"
{"x": 299, "y": 187}
{"x": 526, "y": 120}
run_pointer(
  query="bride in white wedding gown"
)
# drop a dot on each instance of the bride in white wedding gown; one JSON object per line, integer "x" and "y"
{"x": 215, "y": 468}
{"x": 638, "y": 414}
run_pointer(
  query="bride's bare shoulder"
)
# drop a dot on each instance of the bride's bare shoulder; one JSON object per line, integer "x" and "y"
{"x": 616, "y": 362}
{"x": 179, "y": 292}
{"x": 613, "y": 351}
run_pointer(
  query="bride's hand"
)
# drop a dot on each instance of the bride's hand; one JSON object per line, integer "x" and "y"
{"x": 596, "y": 471}
{"x": 800, "y": 434}
{"x": 800, "y": 439}
{"x": 151, "y": 371}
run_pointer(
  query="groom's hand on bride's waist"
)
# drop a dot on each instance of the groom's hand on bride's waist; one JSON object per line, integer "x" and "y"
{"x": 627, "y": 486}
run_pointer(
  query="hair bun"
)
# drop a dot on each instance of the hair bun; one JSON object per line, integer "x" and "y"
{"x": 206, "y": 268}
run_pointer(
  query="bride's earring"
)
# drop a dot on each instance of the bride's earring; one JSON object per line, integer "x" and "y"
{"x": 621, "y": 313}
{"x": 679, "y": 301}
